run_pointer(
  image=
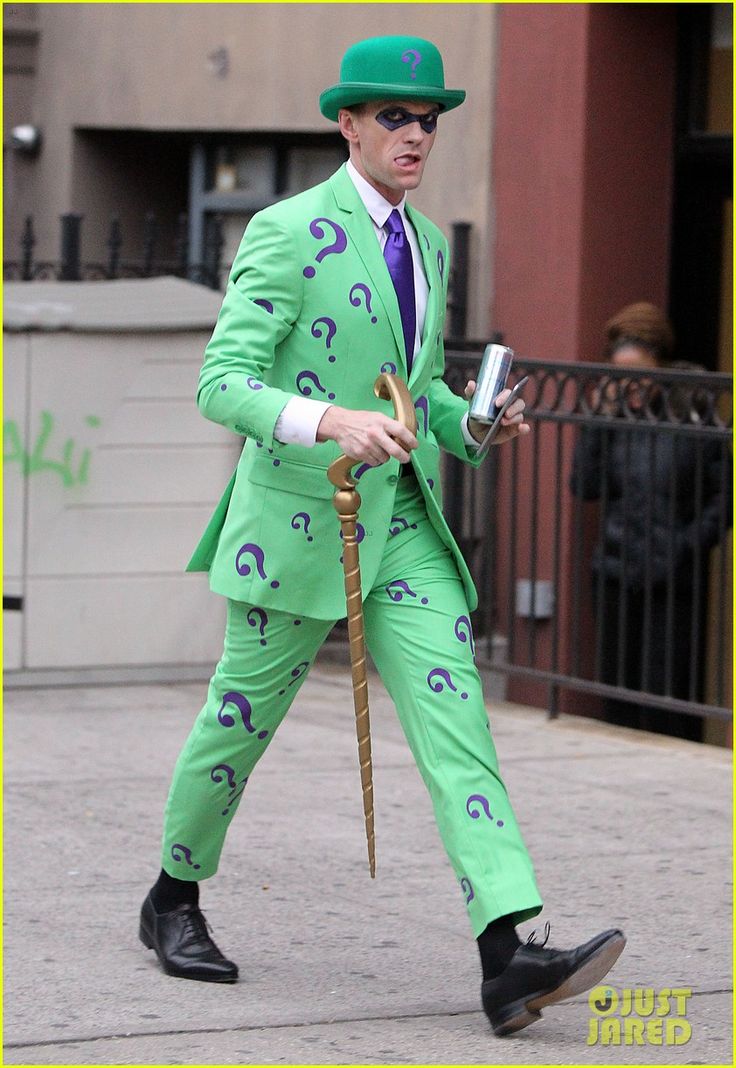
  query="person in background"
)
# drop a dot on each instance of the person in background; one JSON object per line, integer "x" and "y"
{"x": 665, "y": 501}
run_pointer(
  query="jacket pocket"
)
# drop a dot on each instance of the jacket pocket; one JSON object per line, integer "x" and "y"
{"x": 306, "y": 479}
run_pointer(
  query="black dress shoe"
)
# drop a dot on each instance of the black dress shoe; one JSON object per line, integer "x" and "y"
{"x": 536, "y": 977}
{"x": 183, "y": 944}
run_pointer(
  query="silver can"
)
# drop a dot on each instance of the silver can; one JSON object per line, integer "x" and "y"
{"x": 494, "y": 370}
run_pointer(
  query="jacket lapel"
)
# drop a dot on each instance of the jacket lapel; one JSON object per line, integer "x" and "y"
{"x": 359, "y": 226}
{"x": 431, "y": 271}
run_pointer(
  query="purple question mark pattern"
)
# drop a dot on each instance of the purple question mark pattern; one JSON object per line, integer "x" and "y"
{"x": 359, "y": 535}
{"x": 485, "y": 805}
{"x": 331, "y": 327}
{"x": 253, "y": 383}
{"x": 339, "y": 245}
{"x": 360, "y": 471}
{"x": 296, "y": 673}
{"x": 186, "y": 854}
{"x": 361, "y": 287}
{"x": 441, "y": 264}
{"x": 434, "y": 681}
{"x": 430, "y": 483}
{"x": 306, "y": 391}
{"x": 467, "y": 889}
{"x": 265, "y": 304}
{"x": 388, "y": 368}
{"x": 422, "y": 405}
{"x": 462, "y": 623}
{"x": 426, "y": 242}
{"x": 413, "y": 57}
{"x": 398, "y": 589}
{"x": 216, "y": 775}
{"x": 259, "y": 557}
{"x": 295, "y": 524}
{"x": 234, "y": 795}
{"x": 257, "y": 618}
{"x": 241, "y": 702}
{"x": 393, "y": 530}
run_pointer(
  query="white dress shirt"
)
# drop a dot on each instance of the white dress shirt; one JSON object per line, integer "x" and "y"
{"x": 299, "y": 419}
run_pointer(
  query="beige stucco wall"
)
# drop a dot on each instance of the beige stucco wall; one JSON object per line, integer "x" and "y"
{"x": 149, "y": 66}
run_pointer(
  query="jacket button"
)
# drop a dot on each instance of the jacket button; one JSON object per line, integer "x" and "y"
{"x": 392, "y": 480}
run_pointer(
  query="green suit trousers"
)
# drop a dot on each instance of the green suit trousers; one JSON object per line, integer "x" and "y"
{"x": 418, "y": 633}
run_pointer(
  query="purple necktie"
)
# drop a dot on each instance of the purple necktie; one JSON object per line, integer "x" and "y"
{"x": 397, "y": 254}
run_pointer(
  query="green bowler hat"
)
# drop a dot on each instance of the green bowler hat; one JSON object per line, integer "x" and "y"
{"x": 390, "y": 68}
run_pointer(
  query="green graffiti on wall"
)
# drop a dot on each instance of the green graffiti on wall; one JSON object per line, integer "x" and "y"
{"x": 61, "y": 460}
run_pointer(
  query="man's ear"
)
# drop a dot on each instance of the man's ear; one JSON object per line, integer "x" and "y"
{"x": 346, "y": 124}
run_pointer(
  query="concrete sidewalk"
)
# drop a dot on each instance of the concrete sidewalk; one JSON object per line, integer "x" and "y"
{"x": 625, "y": 829}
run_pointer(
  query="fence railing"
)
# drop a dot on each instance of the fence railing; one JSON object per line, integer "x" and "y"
{"x": 599, "y": 543}
{"x": 160, "y": 254}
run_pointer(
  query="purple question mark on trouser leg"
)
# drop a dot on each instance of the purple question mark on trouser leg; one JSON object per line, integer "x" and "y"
{"x": 243, "y": 706}
{"x": 296, "y": 674}
{"x": 306, "y": 391}
{"x": 259, "y": 557}
{"x": 485, "y": 805}
{"x": 229, "y": 774}
{"x": 361, "y": 287}
{"x": 467, "y": 889}
{"x": 234, "y": 796}
{"x": 260, "y": 621}
{"x": 435, "y": 683}
{"x": 186, "y": 854}
{"x": 317, "y": 331}
{"x": 398, "y": 589}
{"x": 265, "y": 304}
{"x": 462, "y": 624}
{"x": 339, "y": 245}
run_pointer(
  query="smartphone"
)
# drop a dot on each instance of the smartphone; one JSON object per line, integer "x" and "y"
{"x": 496, "y": 424}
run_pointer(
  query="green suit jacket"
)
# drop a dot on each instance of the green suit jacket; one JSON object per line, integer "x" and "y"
{"x": 310, "y": 309}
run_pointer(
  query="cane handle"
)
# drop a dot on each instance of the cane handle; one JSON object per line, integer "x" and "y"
{"x": 386, "y": 387}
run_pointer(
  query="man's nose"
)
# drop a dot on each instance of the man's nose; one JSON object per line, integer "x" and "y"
{"x": 413, "y": 131}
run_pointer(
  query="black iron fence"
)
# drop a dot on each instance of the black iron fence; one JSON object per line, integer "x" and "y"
{"x": 599, "y": 544}
{"x": 161, "y": 253}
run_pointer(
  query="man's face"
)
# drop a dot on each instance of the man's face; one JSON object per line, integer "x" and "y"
{"x": 391, "y": 160}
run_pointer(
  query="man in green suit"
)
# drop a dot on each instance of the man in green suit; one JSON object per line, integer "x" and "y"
{"x": 328, "y": 289}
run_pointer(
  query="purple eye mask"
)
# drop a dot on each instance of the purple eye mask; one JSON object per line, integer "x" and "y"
{"x": 393, "y": 118}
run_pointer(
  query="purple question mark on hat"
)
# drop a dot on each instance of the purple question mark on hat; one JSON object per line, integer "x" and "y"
{"x": 415, "y": 58}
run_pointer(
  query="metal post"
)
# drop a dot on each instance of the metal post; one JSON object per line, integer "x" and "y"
{"x": 70, "y": 267}
{"x": 27, "y": 241}
{"x": 458, "y": 302}
{"x": 114, "y": 245}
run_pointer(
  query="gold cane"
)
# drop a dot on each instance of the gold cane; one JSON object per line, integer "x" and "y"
{"x": 347, "y": 502}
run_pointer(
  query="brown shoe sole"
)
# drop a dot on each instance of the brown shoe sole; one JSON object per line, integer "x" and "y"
{"x": 528, "y": 1009}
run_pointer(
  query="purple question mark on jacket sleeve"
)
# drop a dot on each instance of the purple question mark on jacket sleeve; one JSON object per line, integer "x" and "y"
{"x": 467, "y": 889}
{"x": 253, "y": 383}
{"x": 485, "y": 805}
{"x": 229, "y": 774}
{"x": 296, "y": 525}
{"x": 339, "y": 245}
{"x": 265, "y": 304}
{"x": 242, "y": 704}
{"x": 186, "y": 854}
{"x": 257, "y": 618}
{"x": 398, "y": 589}
{"x": 259, "y": 557}
{"x": 388, "y": 368}
{"x": 434, "y": 682}
{"x": 462, "y": 623}
{"x": 422, "y": 405}
{"x": 306, "y": 391}
{"x": 358, "y": 288}
{"x": 318, "y": 332}
{"x": 296, "y": 673}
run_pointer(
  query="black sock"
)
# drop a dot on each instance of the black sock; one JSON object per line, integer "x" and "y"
{"x": 167, "y": 893}
{"x": 497, "y": 945}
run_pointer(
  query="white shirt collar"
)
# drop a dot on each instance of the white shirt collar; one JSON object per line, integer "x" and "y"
{"x": 377, "y": 206}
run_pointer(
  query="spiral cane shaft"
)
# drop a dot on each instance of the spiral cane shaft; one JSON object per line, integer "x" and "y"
{"x": 358, "y": 663}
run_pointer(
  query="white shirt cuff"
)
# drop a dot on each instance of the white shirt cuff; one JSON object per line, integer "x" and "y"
{"x": 298, "y": 421}
{"x": 469, "y": 439}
